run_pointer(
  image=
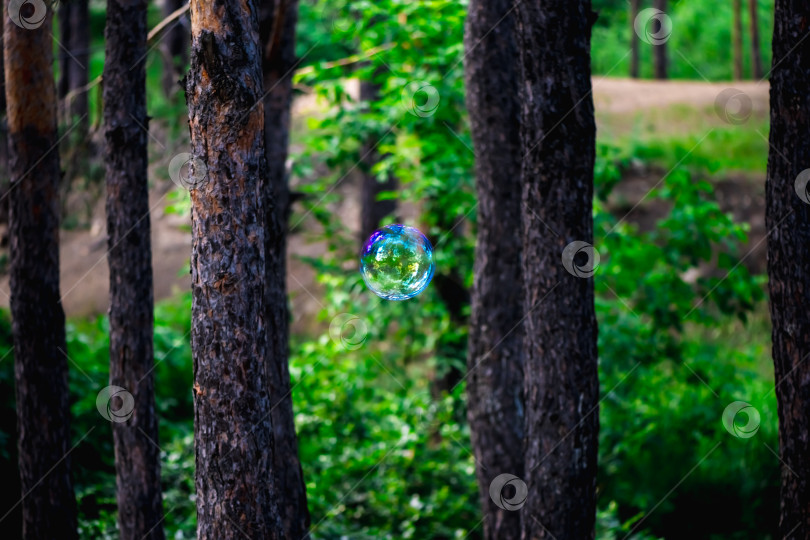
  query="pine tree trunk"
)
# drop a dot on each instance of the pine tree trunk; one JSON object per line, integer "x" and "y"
{"x": 40, "y": 364}
{"x": 634, "y": 41}
{"x": 660, "y": 58}
{"x": 756, "y": 53}
{"x": 788, "y": 219}
{"x": 737, "y": 47}
{"x": 137, "y": 455}
{"x": 561, "y": 387}
{"x": 277, "y": 33}
{"x": 74, "y": 35}
{"x": 233, "y": 429}
{"x": 373, "y": 211}
{"x": 495, "y": 354}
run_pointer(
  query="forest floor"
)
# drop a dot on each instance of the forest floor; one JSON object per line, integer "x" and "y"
{"x": 624, "y": 108}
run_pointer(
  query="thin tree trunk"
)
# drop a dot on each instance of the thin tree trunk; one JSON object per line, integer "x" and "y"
{"x": 4, "y": 176}
{"x": 372, "y": 210}
{"x": 634, "y": 41}
{"x": 233, "y": 428}
{"x": 74, "y": 34}
{"x": 277, "y": 34}
{"x": 660, "y": 58}
{"x": 175, "y": 48}
{"x": 756, "y": 52}
{"x": 495, "y": 353}
{"x": 40, "y": 364}
{"x": 561, "y": 385}
{"x": 137, "y": 455}
{"x": 788, "y": 219}
{"x": 737, "y": 48}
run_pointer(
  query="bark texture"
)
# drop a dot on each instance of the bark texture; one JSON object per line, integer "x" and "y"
{"x": 788, "y": 219}
{"x": 74, "y": 36}
{"x": 137, "y": 455}
{"x": 737, "y": 47}
{"x": 277, "y": 33}
{"x": 40, "y": 365}
{"x": 233, "y": 430}
{"x": 660, "y": 58}
{"x": 561, "y": 385}
{"x": 495, "y": 354}
{"x": 756, "y": 52}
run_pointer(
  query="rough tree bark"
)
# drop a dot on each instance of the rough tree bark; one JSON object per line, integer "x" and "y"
{"x": 495, "y": 354}
{"x": 74, "y": 35}
{"x": 277, "y": 22}
{"x": 372, "y": 211}
{"x": 137, "y": 455}
{"x": 40, "y": 364}
{"x": 756, "y": 52}
{"x": 233, "y": 428}
{"x": 561, "y": 385}
{"x": 175, "y": 48}
{"x": 634, "y": 41}
{"x": 788, "y": 219}
{"x": 660, "y": 58}
{"x": 737, "y": 47}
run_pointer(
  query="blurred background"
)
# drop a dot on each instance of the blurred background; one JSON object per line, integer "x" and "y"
{"x": 380, "y": 135}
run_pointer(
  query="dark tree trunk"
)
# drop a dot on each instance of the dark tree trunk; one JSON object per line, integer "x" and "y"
{"x": 756, "y": 53}
{"x": 277, "y": 34}
{"x": 40, "y": 364}
{"x": 561, "y": 385}
{"x": 660, "y": 59}
{"x": 737, "y": 48}
{"x": 74, "y": 35}
{"x": 137, "y": 455}
{"x": 233, "y": 428}
{"x": 4, "y": 176}
{"x": 495, "y": 353}
{"x": 372, "y": 210}
{"x": 634, "y": 41}
{"x": 175, "y": 48}
{"x": 788, "y": 219}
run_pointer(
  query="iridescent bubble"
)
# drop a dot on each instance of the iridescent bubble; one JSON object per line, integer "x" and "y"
{"x": 397, "y": 262}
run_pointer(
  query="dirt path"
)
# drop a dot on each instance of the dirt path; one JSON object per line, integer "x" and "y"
{"x": 620, "y": 103}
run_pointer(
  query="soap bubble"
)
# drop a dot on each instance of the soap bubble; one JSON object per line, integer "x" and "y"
{"x": 397, "y": 262}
